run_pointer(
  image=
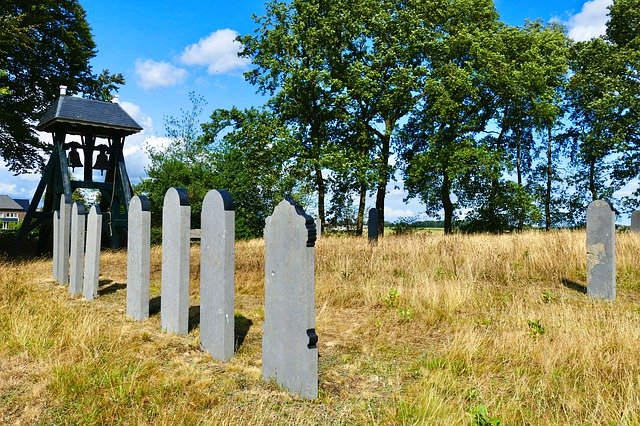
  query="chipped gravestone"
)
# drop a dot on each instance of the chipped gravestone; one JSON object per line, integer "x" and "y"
{"x": 289, "y": 342}
{"x": 601, "y": 251}
{"x": 56, "y": 226}
{"x": 372, "y": 225}
{"x": 174, "y": 300}
{"x": 635, "y": 221}
{"x": 92, "y": 254}
{"x": 64, "y": 240}
{"x": 78, "y": 224}
{"x": 138, "y": 257}
{"x": 217, "y": 301}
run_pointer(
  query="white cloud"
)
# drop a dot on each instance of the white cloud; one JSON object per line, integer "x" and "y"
{"x": 591, "y": 21}
{"x": 218, "y": 51}
{"x": 153, "y": 75}
{"x": 391, "y": 214}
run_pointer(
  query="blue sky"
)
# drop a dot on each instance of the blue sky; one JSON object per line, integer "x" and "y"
{"x": 167, "y": 49}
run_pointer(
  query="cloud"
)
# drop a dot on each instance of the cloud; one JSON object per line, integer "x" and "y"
{"x": 591, "y": 21}
{"x": 218, "y": 52}
{"x": 391, "y": 214}
{"x": 153, "y": 75}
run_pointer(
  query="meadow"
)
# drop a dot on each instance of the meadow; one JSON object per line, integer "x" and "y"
{"x": 420, "y": 329}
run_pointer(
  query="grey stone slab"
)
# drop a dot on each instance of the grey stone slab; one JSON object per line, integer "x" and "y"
{"x": 56, "y": 248}
{"x": 289, "y": 342}
{"x": 635, "y": 221}
{"x": 64, "y": 241}
{"x": 601, "y": 251}
{"x": 217, "y": 275}
{"x": 78, "y": 224}
{"x": 92, "y": 254}
{"x": 318, "y": 226}
{"x": 138, "y": 257}
{"x": 372, "y": 225}
{"x": 174, "y": 293}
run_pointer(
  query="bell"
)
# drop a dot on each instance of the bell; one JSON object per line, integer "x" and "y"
{"x": 102, "y": 162}
{"x": 74, "y": 159}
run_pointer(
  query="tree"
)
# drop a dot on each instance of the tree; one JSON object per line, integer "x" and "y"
{"x": 43, "y": 44}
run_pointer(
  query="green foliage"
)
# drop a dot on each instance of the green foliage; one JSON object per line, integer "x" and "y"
{"x": 480, "y": 417}
{"x": 43, "y": 44}
{"x": 537, "y": 329}
{"x": 393, "y": 298}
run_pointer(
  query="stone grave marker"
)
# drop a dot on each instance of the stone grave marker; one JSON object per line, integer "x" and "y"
{"x": 64, "y": 241}
{"x": 138, "y": 257}
{"x": 601, "y": 251}
{"x": 635, "y": 221}
{"x": 372, "y": 225}
{"x": 289, "y": 342}
{"x": 55, "y": 248}
{"x": 78, "y": 224}
{"x": 217, "y": 275}
{"x": 174, "y": 301}
{"x": 318, "y": 225}
{"x": 92, "y": 254}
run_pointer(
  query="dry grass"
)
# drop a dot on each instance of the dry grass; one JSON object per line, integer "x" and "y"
{"x": 420, "y": 329}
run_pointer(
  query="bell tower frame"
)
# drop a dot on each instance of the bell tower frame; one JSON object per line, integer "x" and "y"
{"x": 102, "y": 128}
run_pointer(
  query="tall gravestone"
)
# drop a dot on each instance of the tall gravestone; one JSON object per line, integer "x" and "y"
{"x": 289, "y": 342}
{"x": 78, "y": 224}
{"x": 92, "y": 254}
{"x": 318, "y": 225}
{"x": 372, "y": 225}
{"x": 64, "y": 240}
{"x": 174, "y": 300}
{"x": 217, "y": 283}
{"x": 601, "y": 251}
{"x": 56, "y": 236}
{"x": 138, "y": 257}
{"x": 635, "y": 221}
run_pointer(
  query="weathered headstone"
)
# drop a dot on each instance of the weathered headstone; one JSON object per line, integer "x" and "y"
{"x": 64, "y": 241}
{"x": 138, "y": 257}
{"x": 601, "y": 251}
{"x": 174, "y": 300}
{"x": 372, "y": 225}
{"x": 217, "y": 283}
{"x": 635, "y": 221}
{"x": 92, "y": 254}
{"x": 78, "y": 224}
{"x": 318, "y": 226}
{"x": 289, "y": 342}
{"x": 56, "y": 236}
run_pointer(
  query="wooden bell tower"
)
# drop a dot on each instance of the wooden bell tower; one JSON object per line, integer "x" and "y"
{"x": 102, "y": 128}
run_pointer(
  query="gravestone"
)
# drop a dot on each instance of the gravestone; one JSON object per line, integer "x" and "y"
{"x": 64, "y": 241}
{"x": 92, "y": 254}
{"x": 635, "y": 221}
{"x": 601, "y": 251}
{"x": 372, "y": 225}
{"x": 174, "y": 301}
{"x": 56, "y": 226}
{"x": 289, "y": 342}
{"x": 138, "y": 257}
{"x": 217, "y": 283}
{"x": 318, "y": 226}
{"x": 78, "y": 224}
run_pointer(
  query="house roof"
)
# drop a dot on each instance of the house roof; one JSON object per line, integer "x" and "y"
{"x": 24, "y": 202}
{"x": 8, "y": 203}
{"x": 103, "y": 118}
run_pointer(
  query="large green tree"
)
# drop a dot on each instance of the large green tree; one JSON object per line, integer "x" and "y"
{"x": 43, "y": 44}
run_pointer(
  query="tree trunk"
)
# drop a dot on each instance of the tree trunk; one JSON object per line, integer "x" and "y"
{"x": 384, "y": 176}
{"x": 592, "y": 179}
{"x": 361, "y": 207}
{"x": 321, "y": 191}
{"x": 445, "y": 196}
{"x": 547, "y": 197}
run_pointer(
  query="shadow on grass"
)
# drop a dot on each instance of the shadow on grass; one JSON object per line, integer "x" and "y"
{"x": 242, "y": 326}
{"x": 107, "y": 288}
{"x": 154, "y": 306}
{"x": 574, "y": 286}
{"x": 194, "y": 317}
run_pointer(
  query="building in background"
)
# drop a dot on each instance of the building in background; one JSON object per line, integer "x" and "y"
{"x": 12, "y": 211}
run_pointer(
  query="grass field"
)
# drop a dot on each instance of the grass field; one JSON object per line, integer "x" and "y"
{"x": 420, "y": 329}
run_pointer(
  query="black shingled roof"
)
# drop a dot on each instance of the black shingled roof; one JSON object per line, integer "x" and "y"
{"x": 88, "y": 112}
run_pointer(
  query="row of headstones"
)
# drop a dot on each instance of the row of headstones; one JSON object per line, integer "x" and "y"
{"x": 289, "y": 342}
{"x": 601, "y": 249}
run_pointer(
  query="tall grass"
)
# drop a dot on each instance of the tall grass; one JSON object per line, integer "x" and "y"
{"x": 420, "y": 329}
